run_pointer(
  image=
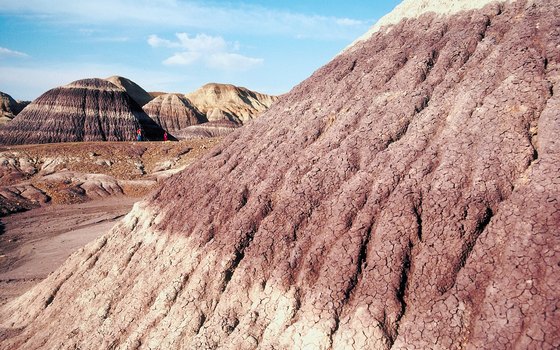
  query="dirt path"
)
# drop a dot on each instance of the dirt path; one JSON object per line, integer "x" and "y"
{"x": 36, "y": 242}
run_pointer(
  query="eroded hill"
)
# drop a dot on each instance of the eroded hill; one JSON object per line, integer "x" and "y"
{"x": 404, "y": 196}
{"x": 84, "y": 110}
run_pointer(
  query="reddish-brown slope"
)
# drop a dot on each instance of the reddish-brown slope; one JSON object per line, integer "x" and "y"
{"x": 405, "y": 196}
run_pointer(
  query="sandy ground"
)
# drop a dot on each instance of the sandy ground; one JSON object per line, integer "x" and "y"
{"x": 35, "y": 243}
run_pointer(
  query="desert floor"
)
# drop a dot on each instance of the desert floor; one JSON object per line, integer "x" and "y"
{"x": 66, "y": 209}
{"x": 36, "y": 242}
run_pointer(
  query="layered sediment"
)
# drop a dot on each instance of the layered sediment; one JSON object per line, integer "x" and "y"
{"x": 9, "y": 107}
{"x": 218, "y": 128}
{"x": 174, "y": 112}
{"x": 85, "y": 110}
{"x": 138, "y": 94}
{"x": 229, "y": 102}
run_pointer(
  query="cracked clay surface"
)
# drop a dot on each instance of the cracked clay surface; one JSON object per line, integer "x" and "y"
{"x": 405, "y": 196}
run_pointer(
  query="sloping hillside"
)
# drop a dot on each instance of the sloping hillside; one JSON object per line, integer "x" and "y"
{"x": 405, "y": 196}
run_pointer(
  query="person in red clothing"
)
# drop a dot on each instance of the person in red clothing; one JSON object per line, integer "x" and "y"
{"x": 139, "y": 134}
{"x": 165, "y": 136}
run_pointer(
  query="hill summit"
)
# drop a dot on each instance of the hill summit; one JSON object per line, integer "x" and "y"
{"x": 138, "y": 94}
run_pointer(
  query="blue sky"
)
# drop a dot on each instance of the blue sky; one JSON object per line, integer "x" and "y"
{"x": 175, "y": 45}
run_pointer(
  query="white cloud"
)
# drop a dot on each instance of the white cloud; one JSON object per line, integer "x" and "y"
{"x": 182, "y": 58}
{"x": 4, "y": 52}
{"x": 349, "y": 22}
{"x": 202, "y": 43}
{"x": 155, "y": 41}
{"x": 232, "y": 61}
{"x": 212, "y": 51}
{"x": 160, "y": 14}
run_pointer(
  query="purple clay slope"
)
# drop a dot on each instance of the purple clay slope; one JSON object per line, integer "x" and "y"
{"x": 405, "y": 196}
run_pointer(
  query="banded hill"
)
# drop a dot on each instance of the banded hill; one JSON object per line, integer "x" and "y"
{"x": 174, "y": 112}
{"x": 230, "y": 102}
{"x": 84, "y": 110}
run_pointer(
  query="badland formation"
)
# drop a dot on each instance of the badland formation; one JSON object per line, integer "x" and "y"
{"x": 405, "y": 196}
{"x": 114, "y": 109}
{"x": 9, "y": 107}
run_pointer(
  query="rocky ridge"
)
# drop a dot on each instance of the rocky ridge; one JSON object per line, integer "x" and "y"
{"x": 405, "y": 196}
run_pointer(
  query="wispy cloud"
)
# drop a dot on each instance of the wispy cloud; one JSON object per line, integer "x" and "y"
{"x": 198, "y": 43}
{"x": 96, "y": 35}
{"x": 189, "y": 14}
{"x": 4, "y": 52}
{"x": 112, "y": 39}
{"x": 349, "y": 22}
{"x": 232, "y": 61}
{"x": 212, "y": 51}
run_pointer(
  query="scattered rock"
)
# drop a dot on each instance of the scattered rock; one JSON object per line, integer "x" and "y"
{"x": 35, "y": 175}
{"x": 105, "y": 162}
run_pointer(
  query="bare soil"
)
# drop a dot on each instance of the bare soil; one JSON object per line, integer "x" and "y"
{"x": 36, "y": 242}
{"x": 64, "y": 214}
{"x": 65, "y": 173}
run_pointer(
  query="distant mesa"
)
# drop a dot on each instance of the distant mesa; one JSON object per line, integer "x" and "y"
{"x": 9, "y": 107}
{"x": 138, "y": 94}
{"x": 229, "y": 102}
{"x": 85, "y": 110}
{"x": 174, "y": 112}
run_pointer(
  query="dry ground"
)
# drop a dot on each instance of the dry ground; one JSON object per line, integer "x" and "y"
{"x": 54, "y": 198}
{"x": 34, "y": 243}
